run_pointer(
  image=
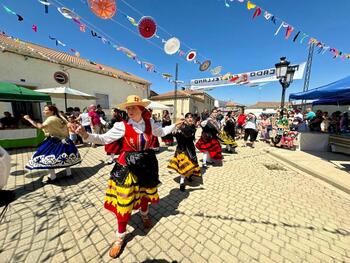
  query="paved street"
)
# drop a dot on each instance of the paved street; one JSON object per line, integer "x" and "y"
{"x": 253, "y": 209}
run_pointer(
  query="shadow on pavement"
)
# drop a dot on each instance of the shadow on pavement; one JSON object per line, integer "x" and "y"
{"x": 158, "y": 261}
{"x": 339, "y": 159}
{"x": 166, "y": 207}
{"x": 339, "y": 231}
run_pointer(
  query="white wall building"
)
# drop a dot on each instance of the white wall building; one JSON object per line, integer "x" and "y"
{"x": 36, "y": 67}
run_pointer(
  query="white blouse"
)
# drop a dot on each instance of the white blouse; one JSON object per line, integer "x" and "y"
{"x": 118, "y": 131}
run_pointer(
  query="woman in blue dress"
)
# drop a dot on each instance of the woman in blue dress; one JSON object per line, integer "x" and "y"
{"x": 57, "y": 150}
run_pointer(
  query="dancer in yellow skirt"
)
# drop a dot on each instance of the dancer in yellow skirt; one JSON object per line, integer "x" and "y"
{"x": 228, "y": 133}
{"x": 134, "y": 179}
{"x": 185, "y": 160}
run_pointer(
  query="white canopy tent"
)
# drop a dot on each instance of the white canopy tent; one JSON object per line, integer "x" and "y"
{"x": 154, "y": 105}
{"x": 66, "y": 93}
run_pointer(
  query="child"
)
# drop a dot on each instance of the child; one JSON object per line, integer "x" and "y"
{"x": 72, "y": 126}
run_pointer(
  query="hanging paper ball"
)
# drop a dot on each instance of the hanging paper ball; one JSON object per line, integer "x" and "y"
{"x": 104, "y": 9}
{"x": 205, "y": 65}
{"x": 191, "y": 55}
{"x": 147, "y": 27}
{"x": 171, "y": 46}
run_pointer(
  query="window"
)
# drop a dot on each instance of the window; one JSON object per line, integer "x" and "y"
{"x": 60, "y": 77}
{"x": 103, "y": 100}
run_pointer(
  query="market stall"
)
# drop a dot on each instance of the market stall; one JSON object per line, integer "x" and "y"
{"x": 335, "y": 93}
{"x": 20, "y": 136}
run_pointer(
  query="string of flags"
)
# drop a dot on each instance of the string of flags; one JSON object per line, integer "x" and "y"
{"x": 106, "y": 11}
{"x": 290, "y": 30}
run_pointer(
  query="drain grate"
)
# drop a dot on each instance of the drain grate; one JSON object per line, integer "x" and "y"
{"x": 275, "y": 167}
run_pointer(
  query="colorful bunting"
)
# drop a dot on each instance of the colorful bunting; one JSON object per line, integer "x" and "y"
{"x": 267, "y": 15}
{"x": 296, "y": 36}
{"x": 35, "y": 28}
{"x": 283, "y": 24}
{"x": 250, "y": 5}
{"x": 289, "y": 31}
{"x": 132, "y": 20}
{"x": 257, "y": 12}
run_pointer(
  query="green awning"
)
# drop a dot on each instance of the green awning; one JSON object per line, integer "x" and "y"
{"x": 12, "y": 92}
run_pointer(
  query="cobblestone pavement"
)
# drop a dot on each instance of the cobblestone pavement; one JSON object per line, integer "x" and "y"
{"x": 253, "y": 209}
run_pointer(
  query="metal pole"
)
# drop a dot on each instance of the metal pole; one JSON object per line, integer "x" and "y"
{"x": 65, "y": 101}
{"x": 175, "y": 92}
{"x": 284, "y": 87}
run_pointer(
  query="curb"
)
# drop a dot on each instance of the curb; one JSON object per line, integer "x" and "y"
{"x": 310, "y": 172}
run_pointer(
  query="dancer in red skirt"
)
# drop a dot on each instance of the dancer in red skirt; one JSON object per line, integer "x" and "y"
{"x": 134, "y": 179}
{"x": 208, "y": 143}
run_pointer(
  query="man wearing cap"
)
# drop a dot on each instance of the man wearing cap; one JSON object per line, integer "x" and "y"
{"x": 134, "y": 179}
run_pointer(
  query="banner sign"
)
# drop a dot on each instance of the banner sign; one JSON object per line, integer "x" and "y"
{"x": 247, "y": 78}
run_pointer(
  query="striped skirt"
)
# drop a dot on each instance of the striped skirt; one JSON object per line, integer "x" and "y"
{"x": 123, "y": 199}
{"x": 182, "y": 164}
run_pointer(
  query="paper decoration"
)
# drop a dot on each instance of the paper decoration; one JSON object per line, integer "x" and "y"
{"x": 132, "y": 20}
{"x": 289, "y": 31}
{"x": 127, "y": 52}
{"x": 191, "y": 55}
{"x": 149, "y": 66}
{"x": 35, "y": 28}
{"x": 172, "y": 46}
{"x": 257, "y": 12}
{"x": 283, "y": 24}
{"x": 216, "y": 71}
{"x": 296, "y": 36}
{"x": 8, "y": 10}
{"x": 82, "y": 28}
{"x": 104, "y": 9}
{"x": 44, "y": 3}
{"x": 67, "y": 13}
{"x": 303, "y": 37}
{"x": 205, "y": 65}
{"x": 267, "y": 15}
{"x": 250, "y": 5}
{"x": 147, "y": 27}
{"x": 167, "y": 75}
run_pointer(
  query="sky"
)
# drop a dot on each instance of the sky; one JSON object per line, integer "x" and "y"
{"x": 228, "y": 36}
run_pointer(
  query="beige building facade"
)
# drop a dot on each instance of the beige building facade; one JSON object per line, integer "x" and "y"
{"x": 187, "y": 101}
{"x": 36, "y": 67}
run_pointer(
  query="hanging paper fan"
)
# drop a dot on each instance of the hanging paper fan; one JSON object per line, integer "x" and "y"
{"x": 104, "y": 9}
{"x": 67, "y": 13}
{"x": 127, "y": 52}
{"x": 147, "y": 27}
{"x": 205, "y": 65}
{"x": 216, "y": 71}
{"x": 171, "y": 46}
{"x": 191, "y": 55}
{"x": 166, "y": 75}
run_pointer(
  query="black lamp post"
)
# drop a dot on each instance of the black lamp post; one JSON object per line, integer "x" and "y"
{"x": 284, "y": 74}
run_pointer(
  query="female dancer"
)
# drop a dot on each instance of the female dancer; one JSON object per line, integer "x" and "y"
{"x": 185, "y": 160}
{"x": 208, "y": 143}
{"x": 57, "y": 151}
{"x": 166, "y": 121}
{"x": 228, "y": 132}
{"x": 134, "y": 178}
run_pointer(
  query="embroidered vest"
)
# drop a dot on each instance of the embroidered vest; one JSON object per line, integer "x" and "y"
{"x": 135, "y": 142}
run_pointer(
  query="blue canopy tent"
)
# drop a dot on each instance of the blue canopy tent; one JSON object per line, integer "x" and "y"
{"x": 339, "y": 89}
{"x": 339, "y": 100}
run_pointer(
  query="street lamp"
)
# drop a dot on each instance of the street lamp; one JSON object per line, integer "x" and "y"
{"x": 285, "y": 74}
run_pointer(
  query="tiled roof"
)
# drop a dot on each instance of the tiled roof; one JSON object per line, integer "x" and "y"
{"x": 181, "y": 94}
{"x": 233, "y": 104}
{"x": 267, "y": 104}
{"x": 32, "y": 50}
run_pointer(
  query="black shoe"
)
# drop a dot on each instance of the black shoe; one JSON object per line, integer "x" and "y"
{"x": 204, "y": 166}
{"x": 190, "y": 178}
{"x": 182, "y": 187}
